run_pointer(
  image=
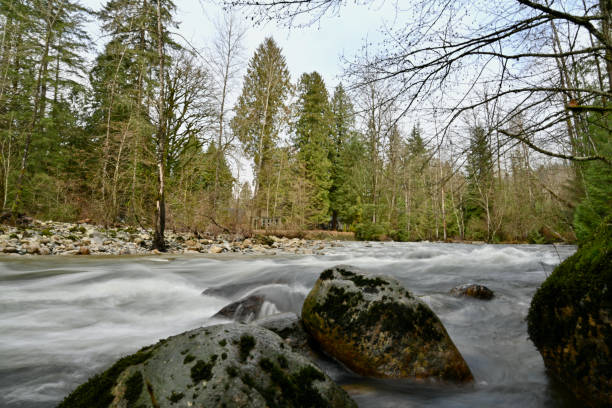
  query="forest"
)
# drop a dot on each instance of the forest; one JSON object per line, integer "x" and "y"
{"x": 145, "y": 130}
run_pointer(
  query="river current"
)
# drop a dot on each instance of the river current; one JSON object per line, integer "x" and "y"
{"x": 62, "y": 319}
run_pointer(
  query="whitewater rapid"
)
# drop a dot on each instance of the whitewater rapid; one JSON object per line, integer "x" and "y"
{"x": 63, "y": 319}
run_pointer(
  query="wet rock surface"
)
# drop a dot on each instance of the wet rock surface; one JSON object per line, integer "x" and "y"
{"x": 570, "y": 320}
{"x": 243, "y": 310}
{"x": 232, "y": 365}
{"x": 377, "y": 328}
{"x": 473, "y": 290}
{"x": 57, "y": 238}
{"x": 290, "y": 328}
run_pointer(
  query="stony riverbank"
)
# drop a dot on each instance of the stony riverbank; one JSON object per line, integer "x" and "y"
{"x": 58, "y": 238}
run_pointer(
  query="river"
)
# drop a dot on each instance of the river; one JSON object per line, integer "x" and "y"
{"x": 63, "y": 319}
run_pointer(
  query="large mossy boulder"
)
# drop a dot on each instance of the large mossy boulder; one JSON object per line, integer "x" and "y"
{"x": 233, "y": 365}
{"x": 377, "y": 328}
{"x": 570, "y": 320}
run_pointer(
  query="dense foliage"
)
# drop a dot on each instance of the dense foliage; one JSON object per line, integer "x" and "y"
{"x": 88, "y": 143}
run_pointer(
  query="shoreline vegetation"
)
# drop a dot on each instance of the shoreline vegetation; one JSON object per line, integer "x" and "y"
{"x": 36, "y": 237}
{"x": 80, "y": 137}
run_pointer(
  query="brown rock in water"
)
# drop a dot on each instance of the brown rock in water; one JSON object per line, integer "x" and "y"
{"x": 473, "y": 290}
{"x": 377, "y": 328}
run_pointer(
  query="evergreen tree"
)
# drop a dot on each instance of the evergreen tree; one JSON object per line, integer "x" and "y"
{"x": 214, "y": 172}
{"x": 479, "y": 171}
{"x": 392, "y": 177}
{"x": 596, "y": 204}
{"x": 415, "y": 144}
{"x": 259, "y": 115}
{"x": 312, "y": 138}
{"x": 133, "y": 116}
{"x": 352, "y": 191}
{"x": 416, "y": 217}
{"x": 343, "y": 122}
{"x": 41, "y": 60}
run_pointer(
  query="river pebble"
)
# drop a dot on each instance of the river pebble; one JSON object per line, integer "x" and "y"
{"x": 59, "y": 238}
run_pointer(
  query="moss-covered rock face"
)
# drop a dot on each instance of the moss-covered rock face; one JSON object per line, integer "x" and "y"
{"x": 570, "y": 320}
{"x": 232, "y": 365}
{"x": 377, "y": 328}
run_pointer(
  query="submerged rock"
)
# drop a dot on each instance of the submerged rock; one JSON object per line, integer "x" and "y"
{"x": 377, "y": 328}
{"x": 243, "y": 310}
{"x": 473, "y": 290}
{"x": 570, "y": 320}
{"x": 232, "y": 365}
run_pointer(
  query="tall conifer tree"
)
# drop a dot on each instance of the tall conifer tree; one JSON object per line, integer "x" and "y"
{"x": 312, "y": 139}
{"x": 259, "y": 115}
{"x": 343, "y": 122}
{"x": 41, "y": 58}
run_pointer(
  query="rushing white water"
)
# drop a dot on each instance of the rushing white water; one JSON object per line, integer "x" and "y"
{"x": 63, "y": 319}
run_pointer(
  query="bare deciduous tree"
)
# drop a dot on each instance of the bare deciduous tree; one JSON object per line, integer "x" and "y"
{"x": 548, "y": 63}
{"x": 225, "y": 61}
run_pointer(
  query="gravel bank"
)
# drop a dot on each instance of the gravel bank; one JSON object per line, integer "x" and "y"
{"x": 58, "y": 238}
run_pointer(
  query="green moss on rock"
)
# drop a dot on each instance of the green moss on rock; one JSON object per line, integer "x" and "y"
{"x": 569, "y": 320}
{"x": 245, "y": 345}
{"x": 176, "y": 397}
{"x": 341, "y": 306}
{"x": 202, "y": 371}
{"x": 291, "y": 390}
{"x": 256, "y": 372}
{"x": 398, "y": 319}
{"x": 337, "y": 303}
{"x": 377, "y": 328}
{"x": 96, "y": 393}
{"x": 133, "y": 388}
{"x": 370, "y": 284}
{"x": 231, "y": 371}
{"x": 282, "y": 361}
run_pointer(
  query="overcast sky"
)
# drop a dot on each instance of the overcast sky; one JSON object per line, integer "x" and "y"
{"x": 314, "y": 48}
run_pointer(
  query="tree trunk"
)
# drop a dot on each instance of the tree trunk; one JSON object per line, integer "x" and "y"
{"x": 605, "y": 7}
{"x": 280, "y": 169}
{"x": 220, "y": 152}
{"x": 160, "y": 204}
{"x": 261, "y": 149}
